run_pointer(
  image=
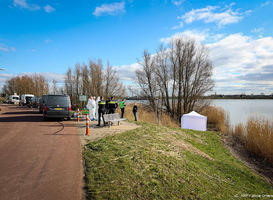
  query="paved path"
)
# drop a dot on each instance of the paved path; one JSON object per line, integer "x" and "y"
{"x": 38, "y": 160}
{"x": 96, "y": 133}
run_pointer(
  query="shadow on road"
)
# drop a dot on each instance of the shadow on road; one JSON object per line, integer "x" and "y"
{"x": 20, "y": 113}
{"x": 21, "y": 119}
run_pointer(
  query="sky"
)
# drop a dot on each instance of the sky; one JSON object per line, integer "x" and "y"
{"x": 49, "y": 36}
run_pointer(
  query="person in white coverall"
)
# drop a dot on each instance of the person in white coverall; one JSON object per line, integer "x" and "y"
{"x": 97, "y": 108}
{"x": 91, "y": 107}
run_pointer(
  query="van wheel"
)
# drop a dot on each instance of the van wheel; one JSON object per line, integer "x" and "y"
{"x": 68, "y": 118}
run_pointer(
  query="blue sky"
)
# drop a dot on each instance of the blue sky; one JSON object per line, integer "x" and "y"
{"x": 48, "y": 36}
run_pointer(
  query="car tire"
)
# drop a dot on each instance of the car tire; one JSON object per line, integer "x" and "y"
{"x": 69, "y": 118}
{"x": 45, "y": 118}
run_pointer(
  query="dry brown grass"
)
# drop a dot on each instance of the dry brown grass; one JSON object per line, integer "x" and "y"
{"x": 146, "y": 115}
{"x": 256, "y": 136}
{"x": 259, "y": 137}
{"x": 217, "y": 118}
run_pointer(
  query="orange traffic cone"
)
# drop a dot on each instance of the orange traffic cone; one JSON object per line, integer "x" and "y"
{"x": 87, "y": 125}
{"x": 78, "y": 115}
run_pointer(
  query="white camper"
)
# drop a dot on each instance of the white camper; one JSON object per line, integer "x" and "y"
{"x": 25, "y": 99}
{"x": 194, "y": 121}
{"x": 14, "y": 99}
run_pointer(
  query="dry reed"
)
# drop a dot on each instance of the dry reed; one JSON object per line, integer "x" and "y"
{"x": 144, "y": 114}
{"x": 259, "y": 137}
{"x": 217, "y": 118}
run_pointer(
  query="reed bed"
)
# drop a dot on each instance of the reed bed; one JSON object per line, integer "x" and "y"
{"x": 144, "y": 114}
{"x": 256, "y": 136}
{"x": 259, "y": 137}
{"x": 217, "y": 118}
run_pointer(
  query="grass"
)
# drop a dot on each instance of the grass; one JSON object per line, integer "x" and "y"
{"x": 156, "y": 162}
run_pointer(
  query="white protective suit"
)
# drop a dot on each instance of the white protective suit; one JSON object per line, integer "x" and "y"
{"x": 92, "y": 111}
{"x": 89, "y": 106}
{"x": 97, "y": 108}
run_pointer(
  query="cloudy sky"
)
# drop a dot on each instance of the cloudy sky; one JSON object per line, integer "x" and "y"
{"x": 48, "y": 36}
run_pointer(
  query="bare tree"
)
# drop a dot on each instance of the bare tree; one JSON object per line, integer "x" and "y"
{"x": 77, "y": 80}
{"x": 96, "y": 75}
{"x": 194, "y": 72}
{"x": 25, "y": 84}
{"x": 112, "y": 86}
{"x": 86, "y": 83}
{"x": 146, "y": 78}
{"x": 54, "y": 87}
{"x": 181, "y": 74}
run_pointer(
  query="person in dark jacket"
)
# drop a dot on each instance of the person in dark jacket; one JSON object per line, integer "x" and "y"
{"x": 101, "y": 110}
{"x": 107, "y": 106}
{"x": 112, "y": 104}
{"x": 135, "y": 111}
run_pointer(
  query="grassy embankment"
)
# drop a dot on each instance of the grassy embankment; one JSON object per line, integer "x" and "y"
{"x": 156, "y": 162}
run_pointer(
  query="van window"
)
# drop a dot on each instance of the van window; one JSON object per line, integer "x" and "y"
{"x": 17, "y": 98}
{"x": 58, "y": 100}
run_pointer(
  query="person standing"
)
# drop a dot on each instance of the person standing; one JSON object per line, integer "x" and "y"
{"x": 135, "y": 111}
{"x": 112, "y": 106}
{"x": 107, "y": 106}
{"x": 97, "y": 108}
{"x": 122, "y": 107}
{"x": 93, "y": 109}
{"x": 89, "y": 107}
{"x": 101, "y": 110}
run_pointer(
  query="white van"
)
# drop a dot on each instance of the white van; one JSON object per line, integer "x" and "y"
{"x": 15, "y": 99}
{"x": 25, "y": 99}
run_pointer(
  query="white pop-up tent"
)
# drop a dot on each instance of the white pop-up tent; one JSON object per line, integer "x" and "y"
{"x": 194, "y": 121}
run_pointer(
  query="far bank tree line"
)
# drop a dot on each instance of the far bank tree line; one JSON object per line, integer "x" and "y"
{"x": 177, "y": 77}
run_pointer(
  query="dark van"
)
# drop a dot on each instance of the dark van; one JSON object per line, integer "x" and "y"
{"x": 42, "y": 103}
{"x": 57, "y": 106}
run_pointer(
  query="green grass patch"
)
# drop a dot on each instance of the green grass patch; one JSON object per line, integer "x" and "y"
{"x": 154, "y": 162}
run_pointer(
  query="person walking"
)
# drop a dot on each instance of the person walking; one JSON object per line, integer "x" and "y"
{"x": 101, "y": 111}
{"x": 112, "y": 106}
{"x": 122, "y": 107}
{"x": 135, "y": 111}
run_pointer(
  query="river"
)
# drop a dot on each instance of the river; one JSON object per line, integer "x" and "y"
{"x": 241, "y": 109}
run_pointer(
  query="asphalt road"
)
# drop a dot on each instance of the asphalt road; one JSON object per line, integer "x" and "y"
{"x": 38, "y": 160}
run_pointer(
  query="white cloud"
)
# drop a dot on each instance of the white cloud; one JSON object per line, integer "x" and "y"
{"x": 266, "y": 3}
{"x": 47, "y": 41}
{"x": 127, "y": 72}
{"x": 213, "y": 14}
{"x": 178, "y": 2}
{"x": 179, "y": 26}
{"x": 198, "y": 36}
{"x": 49, "y": 9}
{"x": 242, "y": 64}
{"x": 110, "y": 9}
{"x": 25, "y": 5}
{"x": 3, "y": 49}
{"x": 31, "y": 50}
